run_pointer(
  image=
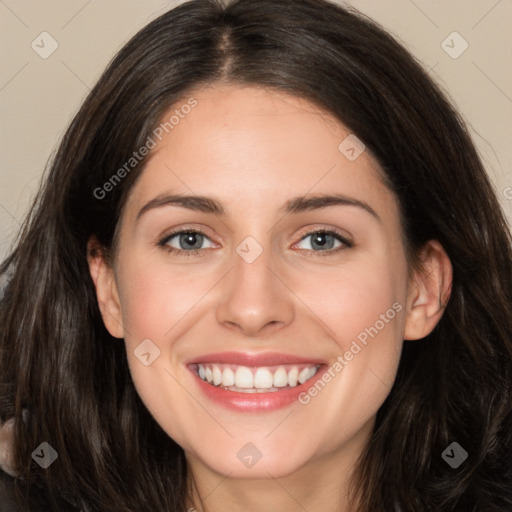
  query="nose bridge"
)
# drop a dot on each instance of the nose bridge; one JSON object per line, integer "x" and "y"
{"x": 254, "y": 297}
{"x": 252, "y": 265}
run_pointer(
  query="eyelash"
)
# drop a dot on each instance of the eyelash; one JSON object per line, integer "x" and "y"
{"x": 309, "y": 252}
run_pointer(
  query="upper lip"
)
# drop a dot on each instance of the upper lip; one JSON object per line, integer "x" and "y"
{"x": 253, "y": 359}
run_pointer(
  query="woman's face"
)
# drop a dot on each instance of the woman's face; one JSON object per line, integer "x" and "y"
{"x": 253, "y": 298}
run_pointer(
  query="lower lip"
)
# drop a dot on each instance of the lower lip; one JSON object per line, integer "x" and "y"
{"x": 256, "y": 402}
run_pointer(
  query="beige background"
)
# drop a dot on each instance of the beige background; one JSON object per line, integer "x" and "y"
{"x": 38, "y": 97}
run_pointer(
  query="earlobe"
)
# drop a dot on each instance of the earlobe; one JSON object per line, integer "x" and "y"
{"x": 429, "y": 291}
{"x": 106, "y": 288}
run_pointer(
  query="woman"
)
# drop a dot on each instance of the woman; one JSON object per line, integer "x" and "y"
{"x": 342, "y": 342}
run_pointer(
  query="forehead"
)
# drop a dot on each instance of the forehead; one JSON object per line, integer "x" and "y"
{"x": 254, "y": 147}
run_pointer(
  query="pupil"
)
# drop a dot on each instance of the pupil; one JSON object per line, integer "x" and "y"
{"x": 191, "y": 238}
{"x": 319, "y": 240}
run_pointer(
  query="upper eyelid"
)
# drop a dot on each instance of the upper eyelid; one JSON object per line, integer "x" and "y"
{"x": 181, "y": 231}
{"x": 302, "y": 236}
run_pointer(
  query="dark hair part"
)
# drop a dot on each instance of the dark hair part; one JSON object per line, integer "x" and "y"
{"x": 58, "y": 361}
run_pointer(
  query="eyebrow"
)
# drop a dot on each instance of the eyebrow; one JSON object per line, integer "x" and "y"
{"x": 299, "y": 204}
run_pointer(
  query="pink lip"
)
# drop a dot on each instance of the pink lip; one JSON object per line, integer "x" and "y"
{"x": 254, "y": 402}
{"x": 245, "y": 359}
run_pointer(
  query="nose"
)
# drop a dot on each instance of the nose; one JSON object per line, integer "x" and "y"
{"x": 256, "y": 301}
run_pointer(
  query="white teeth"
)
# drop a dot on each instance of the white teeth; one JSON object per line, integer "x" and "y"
{"x": 217, "y": 375}
{"x": 293, "y": 374}
{"x": 304, "y": 375}
{"x": 244, "y": 378}
{"x": 280, "y": 378}
{"x": 228, "y": 377}
{"x": 263, "y": 378}
{"x": 259, "y": 380}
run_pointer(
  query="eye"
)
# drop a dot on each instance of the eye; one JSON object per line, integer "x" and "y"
{"x": 189, "y": 242}
{"x": 324, "y": 241}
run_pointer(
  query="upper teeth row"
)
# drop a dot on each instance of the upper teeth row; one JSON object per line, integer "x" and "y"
{"x": 263, "y": 378}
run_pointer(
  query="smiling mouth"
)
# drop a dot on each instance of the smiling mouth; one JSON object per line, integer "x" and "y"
{"x": 264, "y": 379}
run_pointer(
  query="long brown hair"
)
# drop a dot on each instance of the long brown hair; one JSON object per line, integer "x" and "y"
{"x": 59, "y": 363}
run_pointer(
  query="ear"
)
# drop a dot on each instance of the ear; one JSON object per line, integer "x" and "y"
{"x": 103, "y": 277}
{"x": 428, "y": 291}
{"x": 6, "y": 447}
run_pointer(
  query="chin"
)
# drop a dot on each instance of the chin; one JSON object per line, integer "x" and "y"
{"x": 259, "y": 460}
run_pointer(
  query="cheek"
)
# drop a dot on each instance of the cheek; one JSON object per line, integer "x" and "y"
{"x": 155, "y": 299}
{"x": 362, "y": 308}
{"x": 355, "y": 299}
{"x": 160, "y": 305}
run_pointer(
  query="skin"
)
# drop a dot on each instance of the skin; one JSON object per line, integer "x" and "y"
{"x": 241, "y": 145}
{"x": 6, "y": 439}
